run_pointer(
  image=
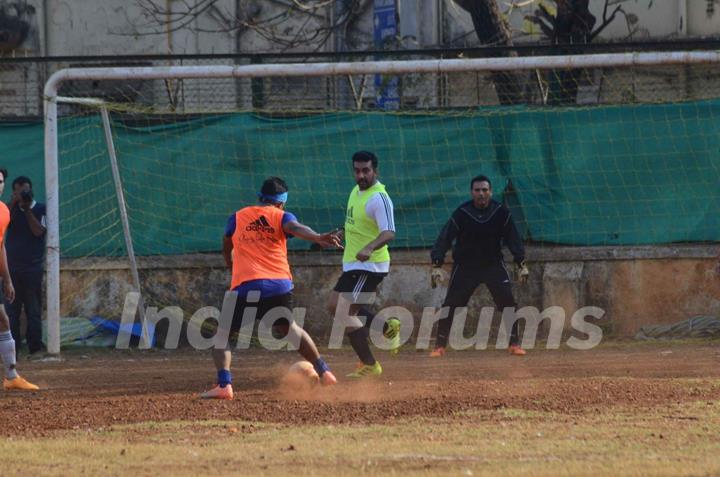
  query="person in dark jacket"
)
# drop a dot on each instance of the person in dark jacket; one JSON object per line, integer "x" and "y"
{"x": 25, "y": 244}
{"x": 477, "y": 231}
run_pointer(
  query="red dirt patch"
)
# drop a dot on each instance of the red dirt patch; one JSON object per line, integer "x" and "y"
{"x": 126, "y": 387}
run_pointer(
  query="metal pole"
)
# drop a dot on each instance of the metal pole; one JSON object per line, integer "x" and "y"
{"x": 144, "y": 338}
{"x": 53, "y": 222}
{"x": 389, "y": 67}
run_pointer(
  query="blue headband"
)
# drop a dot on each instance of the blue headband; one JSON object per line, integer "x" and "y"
{"x": 277, "y": 198}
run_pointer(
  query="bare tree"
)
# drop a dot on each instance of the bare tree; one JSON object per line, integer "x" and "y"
{"x": 314, "y": 22}
{"x": 572, "y": 24}
{"x": 491, "y": 29}
{"x": 269, "y": 19}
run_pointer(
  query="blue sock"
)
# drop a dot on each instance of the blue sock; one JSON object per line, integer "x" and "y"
{"x": 321, "y": 366}
{"x": 224, "y": 377}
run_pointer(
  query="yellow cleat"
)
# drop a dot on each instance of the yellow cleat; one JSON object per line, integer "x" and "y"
{"x": 392, "y": 333}
{"x": 19, "y": 383}
{"x": 367, "y": 371}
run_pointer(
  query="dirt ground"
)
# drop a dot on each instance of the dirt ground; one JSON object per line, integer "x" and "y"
{"x": 92, "y": 389}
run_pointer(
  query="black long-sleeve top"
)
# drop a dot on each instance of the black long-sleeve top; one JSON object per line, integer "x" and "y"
{"x": 478, "y": 236}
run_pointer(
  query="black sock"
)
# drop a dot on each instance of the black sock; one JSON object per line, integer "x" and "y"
{"x": 443, "y": 332}
{"x": 359, "y": 342}
{"x": 370, "y": 316}
{"x": 443, "y": 329}
{"x": 515, "y": 334}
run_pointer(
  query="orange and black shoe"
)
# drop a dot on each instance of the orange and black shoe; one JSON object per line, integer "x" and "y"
{"x": 19, "y": 384}
{"x": 516, "y": 350}
{"x": 438, "y": 352}
{"x": 218, "y": 392}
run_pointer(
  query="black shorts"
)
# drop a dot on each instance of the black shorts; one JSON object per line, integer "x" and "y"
{"x": 358, "y": 281}
{"x": 263, "y": 306}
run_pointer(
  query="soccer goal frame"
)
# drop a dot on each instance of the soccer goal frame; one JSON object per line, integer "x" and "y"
{"x": 51, "y": 100}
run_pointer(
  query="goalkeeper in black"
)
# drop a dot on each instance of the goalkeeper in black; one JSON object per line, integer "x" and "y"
{"x": 476, "y": 231}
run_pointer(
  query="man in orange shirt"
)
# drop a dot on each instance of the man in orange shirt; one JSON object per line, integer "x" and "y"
{"x": 12, "y": 380}
{"x": 255, "y": 250}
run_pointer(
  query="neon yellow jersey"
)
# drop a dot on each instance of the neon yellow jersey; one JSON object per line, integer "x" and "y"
{"x": 361, "y": 229}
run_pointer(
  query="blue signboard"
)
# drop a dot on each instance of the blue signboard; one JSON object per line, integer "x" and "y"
{"x": 385, "y": 29}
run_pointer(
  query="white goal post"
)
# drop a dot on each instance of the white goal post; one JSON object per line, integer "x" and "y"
{"x": 52, "y": 98}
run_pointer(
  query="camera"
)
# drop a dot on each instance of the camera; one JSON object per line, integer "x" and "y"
{"x": 26, "y": 195}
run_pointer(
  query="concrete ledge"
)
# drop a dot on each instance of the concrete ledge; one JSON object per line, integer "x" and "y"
{"x": 635, "y": 286}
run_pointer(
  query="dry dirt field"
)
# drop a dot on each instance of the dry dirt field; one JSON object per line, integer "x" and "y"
{"x": 620, "y": 409}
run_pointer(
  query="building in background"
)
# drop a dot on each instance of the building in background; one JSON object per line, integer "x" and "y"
{"x": 80, "y": 28}
{"x": 147, "y": 27}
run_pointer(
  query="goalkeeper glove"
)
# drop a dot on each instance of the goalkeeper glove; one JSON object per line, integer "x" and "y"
{"x": 521, "y": 271}
{"x": 438, "y": 277}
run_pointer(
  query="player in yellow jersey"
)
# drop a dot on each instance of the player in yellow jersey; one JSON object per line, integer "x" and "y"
{"x": 369, "y": 227}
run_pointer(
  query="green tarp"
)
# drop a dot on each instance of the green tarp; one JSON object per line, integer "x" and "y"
{"x": 583, "y": 176}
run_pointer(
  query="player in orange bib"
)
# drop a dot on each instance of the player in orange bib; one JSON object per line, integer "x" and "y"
{"x": 12, "y": 380}
{"x": 255, "y": 249}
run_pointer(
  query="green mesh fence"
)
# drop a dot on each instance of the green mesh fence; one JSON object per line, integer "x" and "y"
{"x": 605, "y": 175}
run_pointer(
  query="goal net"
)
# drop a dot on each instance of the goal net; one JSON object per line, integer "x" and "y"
{"x": 617, "y": 150}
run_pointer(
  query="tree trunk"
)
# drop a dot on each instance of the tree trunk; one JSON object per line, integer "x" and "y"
{"x": 573, "y": 24}
{"x": 491, "y": 29}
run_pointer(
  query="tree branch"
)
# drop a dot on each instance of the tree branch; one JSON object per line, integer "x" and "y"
{"x": 544, "y": 20}
{"x": 606, "y": 21}
{"x": 162, "y": 20}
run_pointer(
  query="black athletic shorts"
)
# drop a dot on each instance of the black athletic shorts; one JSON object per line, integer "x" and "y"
{"x": 263, "y": 306}
{"x": 358, "y": 281}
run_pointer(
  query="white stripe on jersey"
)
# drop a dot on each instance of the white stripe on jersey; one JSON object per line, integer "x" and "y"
{"x": 380, "y": 208}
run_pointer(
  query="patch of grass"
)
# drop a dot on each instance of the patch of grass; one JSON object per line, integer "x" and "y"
{"x": 675, "y": 440}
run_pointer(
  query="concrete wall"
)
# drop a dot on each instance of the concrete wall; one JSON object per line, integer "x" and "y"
{"x": 120, "y": 27}
{"x": 113, "y": 27}
{"x": 703, "y": 17}
{"x": 636, "y": 286}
